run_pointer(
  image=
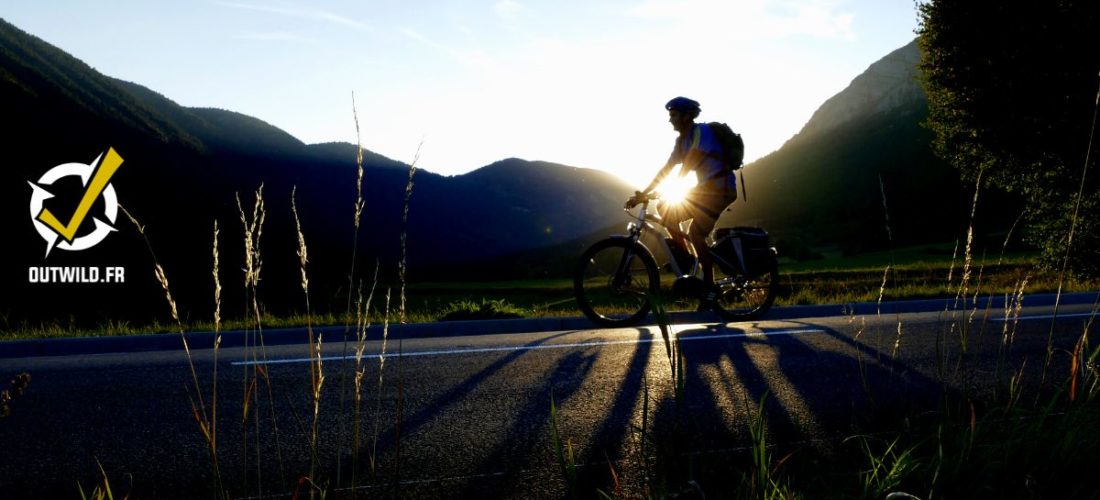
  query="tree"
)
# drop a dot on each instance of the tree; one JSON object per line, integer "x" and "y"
{"x": 1012, "y": 93}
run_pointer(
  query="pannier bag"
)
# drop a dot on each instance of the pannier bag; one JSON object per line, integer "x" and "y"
{"x": 743, "y": 250}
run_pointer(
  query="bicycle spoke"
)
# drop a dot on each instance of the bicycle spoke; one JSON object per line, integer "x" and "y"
{"x": 614, "y": 282}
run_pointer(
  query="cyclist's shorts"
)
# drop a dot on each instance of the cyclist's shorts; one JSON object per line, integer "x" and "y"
{"x": 702, "y": 207}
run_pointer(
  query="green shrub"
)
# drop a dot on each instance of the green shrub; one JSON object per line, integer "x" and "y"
{"x": 485, "y": 309}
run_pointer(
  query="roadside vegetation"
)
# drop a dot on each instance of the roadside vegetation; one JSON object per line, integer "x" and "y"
{"x": 919, "y": 272}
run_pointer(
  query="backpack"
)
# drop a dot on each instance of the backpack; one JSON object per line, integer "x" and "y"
{"x": 733, "y": 148}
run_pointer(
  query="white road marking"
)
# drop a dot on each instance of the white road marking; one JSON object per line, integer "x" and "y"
{"x": 1047, "y": 316}
{"x": 595, "y": 343}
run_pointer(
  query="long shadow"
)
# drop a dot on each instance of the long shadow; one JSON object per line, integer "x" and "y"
{"x": 519, "y": 446}
{"x": 699, "y": 420}
{"x": 808, "y": 394}
{"x": 410, "y": 424}
{"x": 905, "y": 390}
{"x": 524, "y": 442}
{"x": 608, "y": 440}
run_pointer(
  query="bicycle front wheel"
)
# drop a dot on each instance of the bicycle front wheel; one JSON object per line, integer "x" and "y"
{"x": 613, "y": 282}
{"x": 746, "y": 299}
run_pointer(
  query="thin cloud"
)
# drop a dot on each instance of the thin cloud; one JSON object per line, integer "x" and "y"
{"x": 477, "y": 59}
{"x": 303, "y": 13}
{"x": 508, "y": 8}
{"x": 278, "y": 37}
{"x": 751, "y": 19}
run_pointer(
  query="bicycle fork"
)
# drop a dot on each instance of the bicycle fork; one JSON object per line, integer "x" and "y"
{"x": 622, "y": 272}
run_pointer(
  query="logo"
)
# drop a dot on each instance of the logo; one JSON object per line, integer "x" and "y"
{"x": 96, "y": 179}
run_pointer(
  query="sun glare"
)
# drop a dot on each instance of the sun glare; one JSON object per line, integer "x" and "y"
{"x": 674, "y": 188}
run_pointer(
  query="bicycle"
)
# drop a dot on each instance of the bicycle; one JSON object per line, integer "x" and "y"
{"x": 615, "y": 278}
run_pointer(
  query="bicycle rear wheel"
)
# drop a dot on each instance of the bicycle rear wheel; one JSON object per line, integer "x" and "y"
{"x": 613, "y": 281}
{"x": 746, "y": 299}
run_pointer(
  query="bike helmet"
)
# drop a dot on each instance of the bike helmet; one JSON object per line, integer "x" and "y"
{"x": 683, "y": 104}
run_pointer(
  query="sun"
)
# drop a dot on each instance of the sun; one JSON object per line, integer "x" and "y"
{"x": 675, "y": 188}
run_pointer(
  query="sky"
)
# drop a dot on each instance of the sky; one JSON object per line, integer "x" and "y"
{"x": 467, "y": 83}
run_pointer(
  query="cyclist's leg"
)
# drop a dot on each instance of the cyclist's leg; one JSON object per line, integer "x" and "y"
{"x": 706, "y": 207}
{"x": 672, "y": 215}
{"x": 701, "y": 226}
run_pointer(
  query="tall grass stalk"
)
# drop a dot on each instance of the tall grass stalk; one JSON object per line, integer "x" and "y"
{"x": 316, "y": 366}
{"x": 951, "y": 270}
{"x": 217, "y": 283}
{"x": 253, "y": 258}
{"x": 968, "y": 252}
{"x": 357, "y": 394}
{"x": 102, "y": 489}
{"x": 251, "y": 378}
{"x": 399, "y": 414}
{"x": 889, "y": 268}
{"x": 381, "y": 369}
{"x": 1014, "y": 305}
{"x": 664, "y": 323}
{"x": 217, "y": 345}
{"x": 563, "y": 451}
{"x": 403, "y": 265}
{"x": 887, "y": 468}
{"x": 253, "y": 264}
{"x": 673, "y": 349}
{"x": 357, "y": 217}
{"x": 362, "y": 324}
{"x": 886, "y": 211}
{"x": 1008, "y": 299}
{"x": 860, "y": 362}
{"x": 206, "y": 422}
{"x": 359, "y": 203}
{"x": 762, "y": 479}
{"x": 878, "y": 305}
{"x": 643, "y": 434}
{"x": 1083, "y": 370}
{"x": 1090, "y": 376}
{"x": 967, "y": 272}
{"x": 1072, "y": 232}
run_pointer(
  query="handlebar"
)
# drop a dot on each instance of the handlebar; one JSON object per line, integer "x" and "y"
{"x": 641, "y": 198}
{"x": 644, "y": 216}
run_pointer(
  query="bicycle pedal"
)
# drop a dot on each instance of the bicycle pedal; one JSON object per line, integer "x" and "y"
{"x": 690, "y": 286}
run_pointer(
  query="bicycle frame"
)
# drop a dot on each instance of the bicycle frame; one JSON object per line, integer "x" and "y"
{"x": 646, "y": 220}
{"x": 621, "y": 272}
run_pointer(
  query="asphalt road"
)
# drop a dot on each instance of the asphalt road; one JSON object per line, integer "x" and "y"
{"x": 469, "y": 416}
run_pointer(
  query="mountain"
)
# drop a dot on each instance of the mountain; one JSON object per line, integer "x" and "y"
{"x": 861, "y": 174}
{"x": 185, "y": 168}
{"x": 887, "y": 85}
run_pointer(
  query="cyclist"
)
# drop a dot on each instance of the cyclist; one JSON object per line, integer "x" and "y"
{"x": 696, "y": 150}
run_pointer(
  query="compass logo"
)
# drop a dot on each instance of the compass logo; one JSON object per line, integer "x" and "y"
{"x": 96, "y": 179}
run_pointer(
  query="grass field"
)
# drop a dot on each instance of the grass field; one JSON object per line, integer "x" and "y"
{"x": 928, "y": 271}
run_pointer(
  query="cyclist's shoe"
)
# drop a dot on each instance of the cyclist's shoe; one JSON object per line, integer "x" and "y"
{"x": 709, "y": 296}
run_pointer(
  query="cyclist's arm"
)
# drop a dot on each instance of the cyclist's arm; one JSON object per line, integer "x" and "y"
{"x": 665, "y": 170}
{"x": 675, "y": 158}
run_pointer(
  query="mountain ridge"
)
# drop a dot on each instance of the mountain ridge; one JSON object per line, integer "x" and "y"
{"x": 861, "y": 174}
{"x": 185, "y": 168}
{"x": 886, "y": 85}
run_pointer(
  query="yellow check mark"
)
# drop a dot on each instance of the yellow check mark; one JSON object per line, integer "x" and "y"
{"x": 101, "y": 176}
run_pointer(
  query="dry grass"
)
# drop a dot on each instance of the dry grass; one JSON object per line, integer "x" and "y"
{"x": 205, "y": 419}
